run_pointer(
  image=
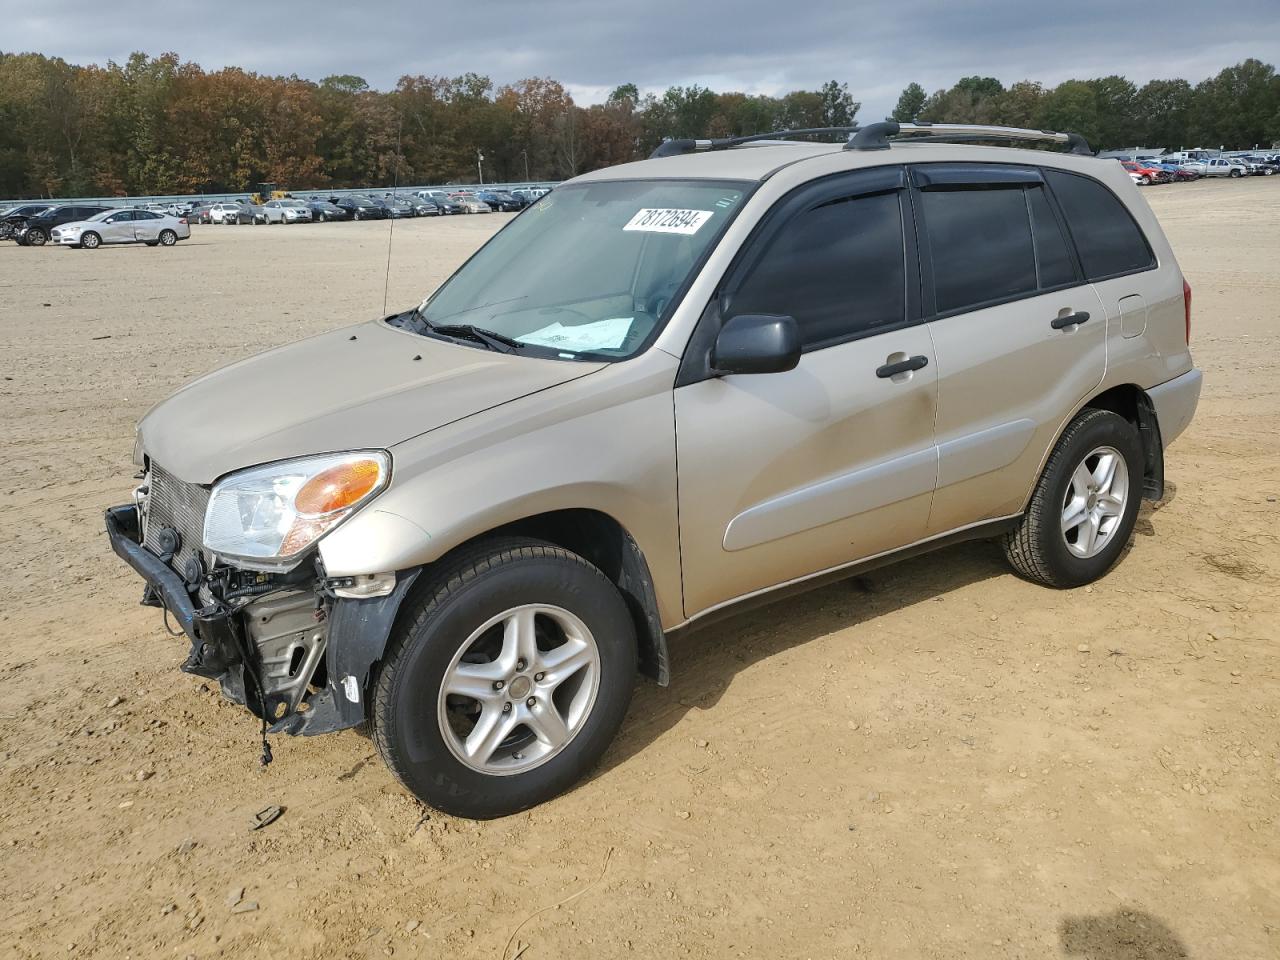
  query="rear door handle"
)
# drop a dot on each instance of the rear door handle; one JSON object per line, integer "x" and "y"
{"x": 902, "y": 366}
{"x": 1069, "y": 320}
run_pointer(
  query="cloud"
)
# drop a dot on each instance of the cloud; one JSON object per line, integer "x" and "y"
{"x": 876, "y": 47}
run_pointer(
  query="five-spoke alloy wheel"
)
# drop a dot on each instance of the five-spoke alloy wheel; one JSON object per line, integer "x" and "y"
{"x": 1084, "y": 507}
{"x": 1095, "y": 502}
{"x": 519, "y": 689}
{"x": 509, "y": 672}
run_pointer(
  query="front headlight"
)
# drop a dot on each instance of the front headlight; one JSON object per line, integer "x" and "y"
{"x": 273, "y": 513}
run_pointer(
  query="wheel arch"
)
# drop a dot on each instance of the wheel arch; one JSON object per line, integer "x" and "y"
{"x": 1130, "y": 401}
{"x": 601, "y": 540}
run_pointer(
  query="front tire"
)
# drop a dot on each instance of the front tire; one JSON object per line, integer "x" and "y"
{"x": 90, "y": 240}
{"x": 507, "y": 679}
{"x": 1085, "y": 505}
{"x": 35, "y": 237}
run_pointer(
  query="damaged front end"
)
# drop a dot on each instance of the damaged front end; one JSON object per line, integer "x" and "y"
{"x": 292, "y": 645}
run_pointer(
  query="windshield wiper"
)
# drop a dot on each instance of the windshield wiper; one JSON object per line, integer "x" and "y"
{"x": 490, "y": 338}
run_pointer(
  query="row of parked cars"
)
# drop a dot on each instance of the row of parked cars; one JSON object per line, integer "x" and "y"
{"x": 318, "y": 209}
{"x": 91, "y": 225}
{"x": 1176, "y": 168}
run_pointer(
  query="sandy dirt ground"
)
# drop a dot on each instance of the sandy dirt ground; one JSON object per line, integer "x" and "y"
{"x": 937, "y": 760}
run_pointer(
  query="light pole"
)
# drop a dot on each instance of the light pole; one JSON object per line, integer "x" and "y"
{"x": 525, "y": 154}
{"x": 480, "y": 165}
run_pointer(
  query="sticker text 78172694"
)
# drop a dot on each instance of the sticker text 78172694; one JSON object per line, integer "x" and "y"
{"x": 666, "y": 220}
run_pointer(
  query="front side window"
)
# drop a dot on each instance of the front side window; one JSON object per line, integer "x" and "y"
{"x": 1107, "y": 238}
{"x": 838, "y": 268}
{"x": 589, "y": 271}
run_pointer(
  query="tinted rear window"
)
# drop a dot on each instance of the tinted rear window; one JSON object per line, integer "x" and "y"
{"x": 980, "y": 244}
{"x": 1053, "y": 257}
{"x": 1107, "y": 238}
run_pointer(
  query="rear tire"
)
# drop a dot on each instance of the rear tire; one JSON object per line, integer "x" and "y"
{"x": 1046, "y": 547}
{"x": 168, "y": 238}
{"x": 461, "y": 621}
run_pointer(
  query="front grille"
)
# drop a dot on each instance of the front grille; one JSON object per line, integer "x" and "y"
{"x": 179, "y": 506}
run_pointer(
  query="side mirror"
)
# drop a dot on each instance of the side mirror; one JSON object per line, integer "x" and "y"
{"x": 756, "y": 343}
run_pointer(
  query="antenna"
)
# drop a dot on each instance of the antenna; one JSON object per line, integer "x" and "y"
{"x": 395, "y": 190}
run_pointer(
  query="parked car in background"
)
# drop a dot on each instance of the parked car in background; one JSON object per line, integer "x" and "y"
{"x": 471, "y": 203}
{"x": 151, "y": 227}
{"x": 199, "y": 211}
{"x": 1256, "y": 167}
{"x": 251, "y": 212}
{"x": 448, "y": 205}
{"x": 225, "y": 211}
{"x": 361, "y": 208}
{"x": 394, "y": 207}
{"x": 322, "y": 211}
{"x": 422, "y": 208}
{"x": 287, "y": 211}
{"x": 15, "y": 216}
{"x": 34, "y": 231}
{"x": 1146, "y": 173}
{"x": 500, "y": 201}
{"x": 435, "y": 196}
{"x": 1217, "y": 167}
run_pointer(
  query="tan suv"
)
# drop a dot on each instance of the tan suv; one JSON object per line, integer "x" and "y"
{"x": 665, "y": 391}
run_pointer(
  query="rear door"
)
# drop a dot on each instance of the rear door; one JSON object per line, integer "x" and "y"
{"x": 785, "y": 475}
{"x": 146, "y": 225}
{"x": 1020, "y": 335}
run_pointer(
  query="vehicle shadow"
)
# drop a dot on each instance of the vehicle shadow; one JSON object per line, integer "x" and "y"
{"x": 704, "y": 662}
{"x": 1125, "y": 934}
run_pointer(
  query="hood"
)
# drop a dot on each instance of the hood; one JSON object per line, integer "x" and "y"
{"x": 362, "y": 387}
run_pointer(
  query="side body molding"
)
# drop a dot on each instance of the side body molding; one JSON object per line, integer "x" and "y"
{"x": 983, "y": 452}
{"x": 835, "y": 498}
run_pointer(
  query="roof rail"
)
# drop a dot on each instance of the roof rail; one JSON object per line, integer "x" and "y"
{"x": 674, "y": 148}
{"x": 875, "y": 136}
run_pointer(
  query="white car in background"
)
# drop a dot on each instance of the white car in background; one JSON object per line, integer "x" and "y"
{"x": 287, "y": 211}
{"x": 122, "y": 226}
{"x": 224, "y": 212}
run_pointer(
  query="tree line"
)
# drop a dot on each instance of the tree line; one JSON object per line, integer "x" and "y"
{"x": 161, "y": 125}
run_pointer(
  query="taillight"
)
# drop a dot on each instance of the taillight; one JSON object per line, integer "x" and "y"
{"x": 182, "y": 219}
{"x": 1186, "y": 305}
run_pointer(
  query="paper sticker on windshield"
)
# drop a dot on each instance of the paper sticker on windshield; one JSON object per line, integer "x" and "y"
{"x": 666, "y": 220}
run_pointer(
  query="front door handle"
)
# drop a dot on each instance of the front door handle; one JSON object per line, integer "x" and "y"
{"x": 1071, "y": 319}
{"x": 902, "y": 366}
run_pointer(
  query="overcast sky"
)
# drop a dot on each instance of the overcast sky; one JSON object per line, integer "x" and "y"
{"x": 591, "y": 46}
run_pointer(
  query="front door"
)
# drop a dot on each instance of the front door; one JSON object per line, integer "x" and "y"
{"x": 785, "y": 475}
{"x": 118, "y": 228}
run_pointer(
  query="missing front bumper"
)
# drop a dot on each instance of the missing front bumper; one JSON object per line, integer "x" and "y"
{"x": 247, "y": 663}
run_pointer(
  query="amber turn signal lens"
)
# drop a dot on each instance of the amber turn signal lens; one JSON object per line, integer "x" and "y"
{"x": 337, "y": 488}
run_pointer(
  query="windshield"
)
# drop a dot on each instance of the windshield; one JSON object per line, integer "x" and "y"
{"x": 590, "y": 269}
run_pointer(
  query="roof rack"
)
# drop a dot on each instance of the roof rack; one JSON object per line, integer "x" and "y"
{"x": 875, "y": 136}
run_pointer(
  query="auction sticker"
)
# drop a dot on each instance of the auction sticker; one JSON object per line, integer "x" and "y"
{"x": 669, "y": 221}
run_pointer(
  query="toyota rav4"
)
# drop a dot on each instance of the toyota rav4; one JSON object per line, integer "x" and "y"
{"x": 664, "y": 392}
